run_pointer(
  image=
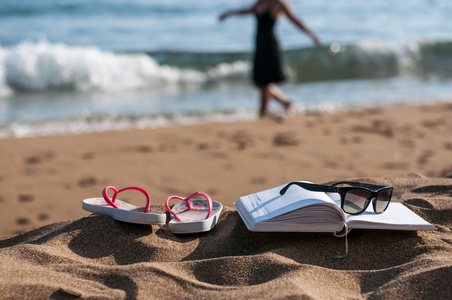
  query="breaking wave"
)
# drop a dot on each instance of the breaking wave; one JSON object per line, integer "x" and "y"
{"x": 32, "y": 66}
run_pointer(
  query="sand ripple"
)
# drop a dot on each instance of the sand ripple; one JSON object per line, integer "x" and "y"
{"x": 97, "y": 257}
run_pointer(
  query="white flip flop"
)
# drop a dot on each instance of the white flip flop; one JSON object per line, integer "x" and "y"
{"x": 123, "y": 211}
{"x": 193, "y": 215}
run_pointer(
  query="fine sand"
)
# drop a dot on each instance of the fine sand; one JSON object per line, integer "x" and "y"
{"x": 44, "y": 180}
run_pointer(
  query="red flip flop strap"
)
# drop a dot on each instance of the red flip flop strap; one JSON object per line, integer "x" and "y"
{"x": 169, "y": 209}
{"x": 147, "y": 208}
{"x": 111, "y": 202}
{"x": 209, "y": 201}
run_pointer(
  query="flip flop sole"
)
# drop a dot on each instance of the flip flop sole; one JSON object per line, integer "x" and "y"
{"x": 126, "y": 212}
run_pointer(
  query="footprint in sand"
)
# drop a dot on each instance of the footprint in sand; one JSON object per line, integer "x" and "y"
{"x": 87, "y": 182}
{"x": 22, "y": 221}
{"x": 32, "y": 160}
{"x": 424, "y": 157}
{"x": 433, "y": 124}
{"x": 285, "y": 139}
{"x": 142, "y": 149}
{"x": 25, "y": 198}
{"x": 38, "y": 158}
{"x": 88, "y": 155}
{"x": 203, "y": 146}
{"x": 357, "y": 139}
{"x": 43, "y": 217}
{"x": 242, "y": 139}
{"x": 378, "y": 127}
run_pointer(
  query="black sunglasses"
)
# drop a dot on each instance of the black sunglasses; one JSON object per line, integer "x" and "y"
{"x": 355, "y": 197}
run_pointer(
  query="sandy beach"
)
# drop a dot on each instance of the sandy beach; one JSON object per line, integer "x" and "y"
{"x": 43, "y": 181}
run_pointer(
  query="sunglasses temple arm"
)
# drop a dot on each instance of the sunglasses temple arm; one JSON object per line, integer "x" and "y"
{"x": 311, "y": 187}
{"x": 360, "y": 184}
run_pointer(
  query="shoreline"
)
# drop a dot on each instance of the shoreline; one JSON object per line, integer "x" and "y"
{"x": 44, "y": 179}
{"x": 87, "y": 123}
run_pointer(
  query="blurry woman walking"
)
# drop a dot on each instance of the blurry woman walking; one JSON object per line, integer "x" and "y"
{"x": 267, "y": 68}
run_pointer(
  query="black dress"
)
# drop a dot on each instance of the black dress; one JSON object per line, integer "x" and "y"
{"x": 267, "y": 61}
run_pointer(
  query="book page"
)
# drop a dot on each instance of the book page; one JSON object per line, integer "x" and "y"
{"x": 397, "y": 216}
{"x": 317, "y": 217}
{"x": 267, "y": 204}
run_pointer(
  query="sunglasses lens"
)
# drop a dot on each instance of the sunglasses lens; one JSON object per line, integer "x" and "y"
{"x": 355, "y": 201}
{"x": 383, "y": 199}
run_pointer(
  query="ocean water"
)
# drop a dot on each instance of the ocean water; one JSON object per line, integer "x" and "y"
{"x": 78, "y": 66}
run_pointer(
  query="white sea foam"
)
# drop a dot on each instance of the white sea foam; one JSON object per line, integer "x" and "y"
{"x": 46, "y": 66}
{"x": 88, "y": 125}
{"x": 404, "y": 56}
{"x": 4, "y": 88}
{"x": 39, "y": 66}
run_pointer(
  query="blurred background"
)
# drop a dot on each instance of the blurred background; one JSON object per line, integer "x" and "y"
{"x": 73, "y": 66}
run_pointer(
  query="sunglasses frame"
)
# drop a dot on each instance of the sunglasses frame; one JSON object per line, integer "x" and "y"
{"x": 343, "y": 190}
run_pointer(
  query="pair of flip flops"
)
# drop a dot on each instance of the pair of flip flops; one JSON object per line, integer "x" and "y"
{"x": 189, "y": 215}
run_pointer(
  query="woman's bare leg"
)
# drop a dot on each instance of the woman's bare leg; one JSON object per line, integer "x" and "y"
{"x": 265, "y": 98}
{"x": 276, "y": 93}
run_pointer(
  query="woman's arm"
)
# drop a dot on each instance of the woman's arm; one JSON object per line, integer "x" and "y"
{"x": 295, "y": 20}
{"x": 243, "y": 11}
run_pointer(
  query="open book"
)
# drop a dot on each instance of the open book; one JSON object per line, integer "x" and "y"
{"x": 302, "y": 210}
